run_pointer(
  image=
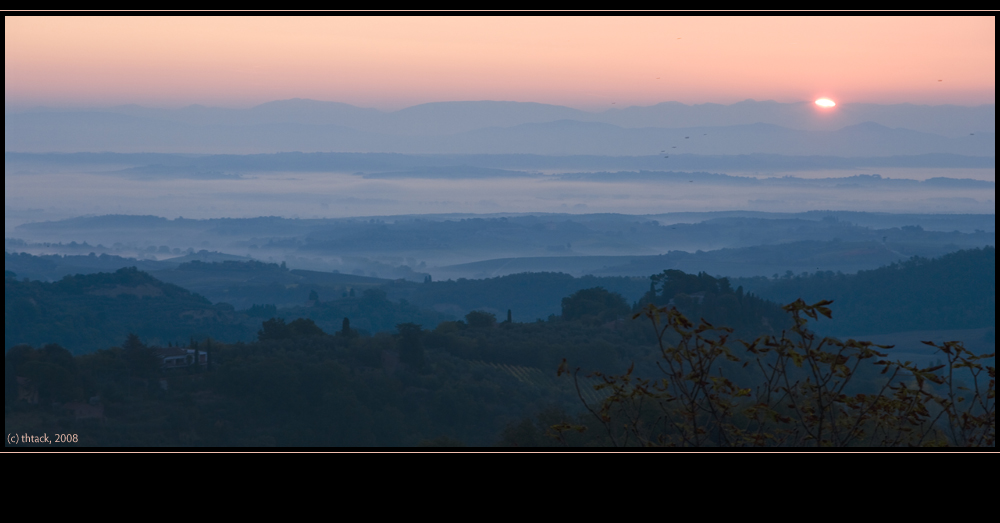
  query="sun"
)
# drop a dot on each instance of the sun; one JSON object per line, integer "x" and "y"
{"x": 825, "y": 102}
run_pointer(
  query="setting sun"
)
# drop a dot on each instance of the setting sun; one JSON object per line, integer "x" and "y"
{"x": 825, "y": 102}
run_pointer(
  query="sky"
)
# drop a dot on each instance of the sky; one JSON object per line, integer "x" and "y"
{"x": 591, "y": 63}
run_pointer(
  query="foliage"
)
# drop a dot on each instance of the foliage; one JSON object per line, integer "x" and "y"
{"x": 51, "y": 370}
{"x": 528, "y": 295}
{"x": 346, "y": 331}
{"x": 262, "y": 311}
{"x": 95, "y": 311}
{"x": 371, "y": 312}
{"x": 481, "y": 319}
{"x": 318, "y": 391}
{"x": 86, "y": 313}
{"x": 276, "y": 329}
{"x": 956, "y": 291}
{"x": 411, "y": 348}
{"x": 476, "y": 383}
{"x": 595, "y": 305}
{"x": 703, "y": 296}
{"x": 802, "y": 395}
{"x": 674, "y": 282}
{"x": 132, "y": 342}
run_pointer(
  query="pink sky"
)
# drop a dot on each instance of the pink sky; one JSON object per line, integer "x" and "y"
{"x": 584, "y": 62}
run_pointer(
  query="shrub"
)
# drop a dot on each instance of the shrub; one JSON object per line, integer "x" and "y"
{"x": 806, "y": 392}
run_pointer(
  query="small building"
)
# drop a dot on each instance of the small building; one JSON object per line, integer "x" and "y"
{"x": 175, "y": 358}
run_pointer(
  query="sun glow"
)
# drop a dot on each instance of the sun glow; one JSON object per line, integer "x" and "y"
{"x": 825, "y": 102}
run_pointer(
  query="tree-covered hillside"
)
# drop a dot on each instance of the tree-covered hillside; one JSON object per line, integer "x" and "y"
{"x": 89, "y": 312}
{"x": 465, "y": 383}
{"x": 956, "y": 291}
{"x": 714, "y": 299}
{"x": 86, "y": 313}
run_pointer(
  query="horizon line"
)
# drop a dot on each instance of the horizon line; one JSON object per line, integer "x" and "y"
{"x": 32, "y": 106}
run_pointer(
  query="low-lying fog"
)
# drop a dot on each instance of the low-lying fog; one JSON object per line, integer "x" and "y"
{"x": 43, "y": 196}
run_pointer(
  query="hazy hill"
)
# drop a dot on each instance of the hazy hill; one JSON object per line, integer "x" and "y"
{"x": 55, "y": 267}
{"x": 471, "y": 246}
{"x": 148, "y": 166}
{"x": 949, "y": 120}
{"x": 569, "y": 137}
{"x": 97, "y": 132}
{"x": 456, "y": 117}
{"x": 507, "y": 127}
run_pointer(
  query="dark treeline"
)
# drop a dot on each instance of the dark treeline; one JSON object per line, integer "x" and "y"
{"x": 90, "y": 312}
{"x": 307, "y": 391}
{"x": 702, "y": 296}
{"x": 463, "y": 381}
{"x": 475, "y": 382}
{"x": 372, "y": 310}
{"x": 956, "y": 291}
{"x": 530, "y": 296}
{"x": 85, "y": 353}
{"x": 55, "y": 267}
{"x": 85, "y": 313}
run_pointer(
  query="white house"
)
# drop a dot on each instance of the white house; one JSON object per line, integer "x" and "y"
{"x": 174, "y": 358}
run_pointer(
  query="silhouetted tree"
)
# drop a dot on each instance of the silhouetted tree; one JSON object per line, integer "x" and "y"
{"x": 411, "y": 350}
{"x": 273, "y": 329}
{"x": 595, "y": 304}
{"x": 802, "y": 394}
{"x": 481, "y": 319}
{"x": 133, "y": 342}
{"x": 304, "y": 328}
{"x": 346, "y": 331}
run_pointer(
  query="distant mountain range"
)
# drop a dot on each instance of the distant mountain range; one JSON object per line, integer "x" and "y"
{"x": 512, "y": 128}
